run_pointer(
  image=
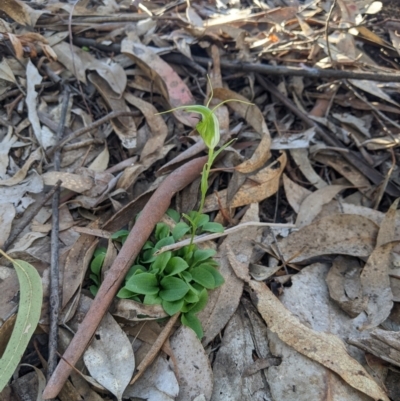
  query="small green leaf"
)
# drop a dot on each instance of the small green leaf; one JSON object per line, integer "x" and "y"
{"x": 186, "y": 276}
{"x": 173, "y": 289}
{"x": 192, "y": 321}
{"x": 203, "y": 277}
{"x": 213, "y": 228}
{"x": 133, "y": 271}
{"x": 201, "y": 255}
{"x": 203, "y": 219}
{"x": 174, "y": 215}
{"x": 202, "y": 302}
{"x": 162, "y": 231}
{"x": 192, "y": 296}
{"x": 97, "y": 262}
{"x": 180, "y": 230}
{"x": 99, "y": 251}
{"x": 147, "y": 256}
{"x": 218, "y": 278}
{"x": 153, "y": 299}
{"x": 147, "y": 245}
{"x": 120, "y": 235}
{"x": 143, "y": 283}
{"x": 124, "y": 293}
{"x": 172, "y": 307}
{"x": 175, "y": 265}
{"x": 93, "y": 289}
{"x": 164, "y": 242}
{"x": 30, "y": 304}
{"x": 95, "y": 279}
{"x": 160, "y": 262}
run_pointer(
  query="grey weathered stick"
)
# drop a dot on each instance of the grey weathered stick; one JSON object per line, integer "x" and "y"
{"x": 148, "y": 218}
{"x": 54, "y": 301}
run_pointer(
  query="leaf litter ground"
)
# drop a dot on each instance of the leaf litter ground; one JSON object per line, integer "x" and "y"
{"x": 309, "y": 306}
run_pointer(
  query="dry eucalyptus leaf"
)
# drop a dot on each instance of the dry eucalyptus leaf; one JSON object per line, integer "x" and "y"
{"x": 324, "y": 348}
{"x": 224, "y": 300}
{"x": 295, "y": 193}
{"x": 255, "y": 189}
{"x": 300, "y": 156}
{"x": 135, "y": 311}
{"x": 100, "y": 163}
{"x": 194, "y": 371}
{"x": 344, "y": 284}
{"x": 338, "y": 234}
{"x": 254, "y": 117}
{"x": 312, "y": 205}
{"x": 308, "y": 299}
{"x": 7, "y": 214}
{"x": 165, "y": 78}
{"x": 376, "y": 288}
{"x": 73, "y": 182}
{"x": 109, "y": 357}
{"x": 387, "y": 231}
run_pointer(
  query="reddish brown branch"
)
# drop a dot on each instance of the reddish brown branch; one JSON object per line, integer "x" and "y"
{"x": 150, "y": 216}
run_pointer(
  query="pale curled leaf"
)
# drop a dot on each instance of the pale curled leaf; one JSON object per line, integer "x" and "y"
{"x": 376, "y": 286}
{"x": 338, "y": 234}
{"x": 109, "y": 358}
{"x": 30, "y": 304}
{"x": 324, "y": 348}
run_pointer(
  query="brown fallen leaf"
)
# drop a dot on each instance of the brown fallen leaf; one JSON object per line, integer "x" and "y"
{"x": 326, "y": 349}
{"x": 338, "y": 234}
{"x": 295, "y": 193}
{"x": 224, "y": 300}
{"x": 73, "y": 182}
{"x": 387, "y": 231}
{"x": 254, "y": 117}
{"x": 312, "y": 205}
{"x": 376, "y": 288}
{"x": 20, "y": 12}
{"x": 165, "y": 78}
{"x": 344, "y": 284}
{"x": 256, "y": 188}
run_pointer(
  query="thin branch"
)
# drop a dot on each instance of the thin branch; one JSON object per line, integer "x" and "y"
{"x": 54, "y": 301}
{"x": 208, "y": 237}
{"x": 263, "y": 69}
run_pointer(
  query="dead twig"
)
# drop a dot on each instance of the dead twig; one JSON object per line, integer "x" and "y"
{"x": 264, "y": 69}
{"x": 208, "y": 237}
{"x": 150, "y": 216}
{"x": 54, "y": 301}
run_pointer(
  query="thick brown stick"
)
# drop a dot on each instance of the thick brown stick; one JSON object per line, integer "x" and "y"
{"x": 150, "y": 216}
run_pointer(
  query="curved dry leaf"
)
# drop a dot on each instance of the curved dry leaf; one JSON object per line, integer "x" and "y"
{"x": 76, "y": 264}
{"x": 73, "y": 182}
{"x": 224, "y": 300}
{"x": 295, "y": 193}
{"x": 7, "y": 214}
{"x": 387, "y": 231}
{"x": 124, "y": 127}
{"x": 21, "y": 174}
{"x": 158, "y": 383}
{"x": 194, "y": 370}
{"x": 19, "y": 11}
{"x": 166, "y": 79}
{"x": 344, "y": 284}
{"x": 112, "y": 73}
{"x": 312, "y": 205}
{"x": 45, "y": 137}
{"x": 338, "y": 234}
{"x": 100, "y": 163}
{"x": 300, "y": 156}
{"x": 235, "y": 359}
{"x": 109, "y": 358}
{"x": 255, "y": 118}
{"x": 312, "y": 380}
{"x": 326, "y": 349}
{"x": 6, "y": 72}
{"x": 376, "y": 286}
{"x": 9, "y": 293}
{"x": 255, "y": 189}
